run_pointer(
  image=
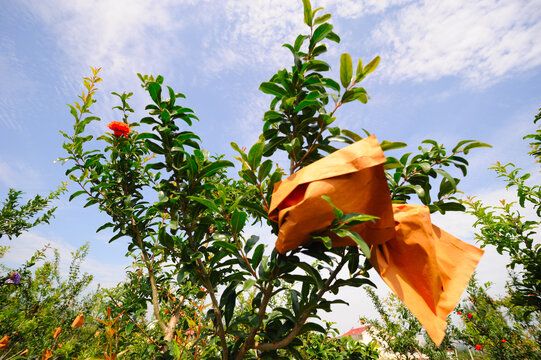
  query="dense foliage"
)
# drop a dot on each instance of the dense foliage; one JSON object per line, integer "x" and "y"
{"x": 512, "y": 233}
{"x": 16, "y": 218}
{"x": 186, "y": 218}
{"x": 495, "y": 328}
{"x": 215, "y": 290}
{"x": 400, "y": 333}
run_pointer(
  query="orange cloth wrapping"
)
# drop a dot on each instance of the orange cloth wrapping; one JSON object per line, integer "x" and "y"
{"x": 425, "y": 267}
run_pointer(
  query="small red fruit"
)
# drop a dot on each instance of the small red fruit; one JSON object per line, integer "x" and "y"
{"x": 459, "y": 312}
{"x": 504, "y": 341}
{"x": 478, "y": 347}
{"x": 470, "y": 316}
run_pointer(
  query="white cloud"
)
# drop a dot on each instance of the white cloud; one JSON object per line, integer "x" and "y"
{"x": 122, "y": 37}
{"x": 355, "y": 8}
{"x": 18, "y": 85}
{"x": 481, "y": 41}
{"x": 22, "y": 248}
{"x": 254, "y": 33}
{"x": 19, "y": 175}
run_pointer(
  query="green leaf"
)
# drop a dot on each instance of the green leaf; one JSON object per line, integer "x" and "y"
{"x": 337, "y": 212}
{"x": 225, "y": 245}
{"x": 352, "y": 135}
{"x": 239, "y": 150}
{"x": 476, "y": 144}
{"x": 388, "y": 145}
{"x": 129, "y": 328}
{"x": 359, "y": 72}
{"x": 153, "y": 147}
{"x": 418, "y": 189}
{"x": 249, "y": 176}
{"x": 458, "y": 146}
{"x": 258, "y": 254}
{"x": 75, "y": 194}
{"x": 155, "y": 91}
{"x": 330, "y": 83}
{"x": 313, "y": 273}
{"x": 294, "y": 301}
{"x": 333, "y": 37}
{"x": 346, "y": 69}
{"x": 357, "y": 93}
{"x": 208, "y": 203}
{"x": 299, "y": 41}
{"x": 264, "y": 170}
{"x": 172, "y": 96}
{"x": 353, "y": 219}
{"x": 307, "y": 12}
{"x": 238, "y": 220}
{"x": 452, "y": 206}
{"x": 310, "y": 327}
{"x": 371, "y": 66}
{"x": 255, "y": 154}
{"x": 327, "y": 241}
{"x": 322, "y": 19}
{"x": 321, "y": 33}
{"x": 447, "y": 176}
{"x": 250, "y": 243}
{"x": 272, "y": 89}
{"x": 355, "y": 237}
{"x": 214, "y": 167}
{"x": 305, "y": 103}
{"x": 248, "y": 284}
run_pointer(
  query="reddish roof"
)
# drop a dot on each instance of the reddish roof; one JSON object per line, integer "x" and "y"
{"x": 357, "y": 331}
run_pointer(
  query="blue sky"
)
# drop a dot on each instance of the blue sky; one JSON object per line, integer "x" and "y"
{"x": 450, "y": 70}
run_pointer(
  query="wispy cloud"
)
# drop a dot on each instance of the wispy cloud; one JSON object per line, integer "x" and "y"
{"x": 18, "y": 85}
{"x": 123, "y": 37}
{"x": 19, "y": 175}
{"x": 354, "y": 8}
{"x": 26, "y": 245}
{"x": 481, "y": 41}
{"x": 253, "y": 35}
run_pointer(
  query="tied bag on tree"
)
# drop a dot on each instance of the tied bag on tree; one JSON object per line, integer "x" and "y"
{"x": 425, "y": 267}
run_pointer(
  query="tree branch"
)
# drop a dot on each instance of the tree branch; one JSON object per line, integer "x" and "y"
{"x": 215, "y": 307}
{"x": 152, "y": 277}
{"x": 302, "y": 319}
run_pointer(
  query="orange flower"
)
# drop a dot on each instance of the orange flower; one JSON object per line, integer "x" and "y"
{"x": 79, "y": 321}
{"x": 96, "y": 334}
{"x": 23, "y": 352}
{"x": 57, "y": 332}
{"x": 119, "y": 128}
{"x": 4, "y": 342}
{"x": 60, "y": 345}
{"x": 47, "y": 354}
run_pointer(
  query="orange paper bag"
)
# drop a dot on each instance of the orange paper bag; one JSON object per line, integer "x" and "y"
{"x": 425, "y": 267}
{"x": 353, "y": 178}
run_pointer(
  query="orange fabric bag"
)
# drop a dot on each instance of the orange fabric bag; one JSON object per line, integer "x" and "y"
{"x": 425, "y": 267}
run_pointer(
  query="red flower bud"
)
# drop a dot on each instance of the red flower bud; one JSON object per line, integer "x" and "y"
{"x": 504, "y": 341}
{"x": 478, "y": 347}
{"x": 459, "y": 312}
{"x": 470, "y": 316}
